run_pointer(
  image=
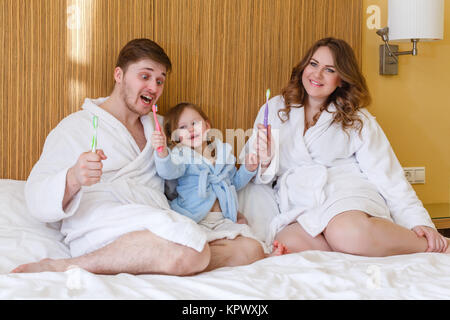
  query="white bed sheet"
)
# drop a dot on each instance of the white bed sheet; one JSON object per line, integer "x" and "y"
{"x": 307, "y": 275}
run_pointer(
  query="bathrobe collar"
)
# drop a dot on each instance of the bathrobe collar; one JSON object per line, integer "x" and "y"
{"x": 302, "y": 142}
{"x": 323, "y": 123}
{"x": 93, "y": 106}
{"x": 224, "y": 156}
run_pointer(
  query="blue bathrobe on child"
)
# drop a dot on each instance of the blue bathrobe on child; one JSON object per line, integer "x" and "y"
{"x": 200, "y": 183}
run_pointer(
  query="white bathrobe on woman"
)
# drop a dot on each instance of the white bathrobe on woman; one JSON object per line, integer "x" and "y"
{"x": 326, "y": 172}
{"x": 129, "y": 197}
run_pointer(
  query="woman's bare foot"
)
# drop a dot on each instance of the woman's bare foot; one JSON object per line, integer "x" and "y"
{"x": 279, "y": 249}
{"x": 42, "y": 266}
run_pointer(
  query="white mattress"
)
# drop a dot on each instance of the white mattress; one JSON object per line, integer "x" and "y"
{"x": 307, "y": 275}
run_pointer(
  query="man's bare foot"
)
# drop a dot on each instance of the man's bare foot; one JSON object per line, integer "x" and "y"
{"x": 279, "y": 249}
{"x": 42, "y": 266}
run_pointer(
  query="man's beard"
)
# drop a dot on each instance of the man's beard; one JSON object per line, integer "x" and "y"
{"x": 130, "y": 105}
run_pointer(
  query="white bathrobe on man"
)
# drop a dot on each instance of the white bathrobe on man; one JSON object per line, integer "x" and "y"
{"x": 129, "y": 197}
{"x": 328, "y": 171}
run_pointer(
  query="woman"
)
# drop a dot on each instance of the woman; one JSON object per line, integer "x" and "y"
{"x": 337, "y": 181}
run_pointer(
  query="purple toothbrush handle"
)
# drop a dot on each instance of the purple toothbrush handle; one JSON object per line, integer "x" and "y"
{"x": 266, "y": 116}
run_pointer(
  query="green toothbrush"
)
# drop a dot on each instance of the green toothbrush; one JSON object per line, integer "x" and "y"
{"x": 94, "y": 137}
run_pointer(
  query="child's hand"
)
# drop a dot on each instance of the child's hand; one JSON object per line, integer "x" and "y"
{"x": 159, "y": 140}
{"x": 251, "y": 162}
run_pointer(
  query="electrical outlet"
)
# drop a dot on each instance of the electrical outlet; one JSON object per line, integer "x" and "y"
{"x": 409, "y": 174}
{"x": 415, "y": 175}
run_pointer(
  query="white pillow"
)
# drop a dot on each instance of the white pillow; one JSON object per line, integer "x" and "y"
{"x": 24, "y": 239}
{"x": 258, "y": 204}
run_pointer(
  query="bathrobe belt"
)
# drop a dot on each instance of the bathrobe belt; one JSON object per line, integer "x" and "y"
{"x": 132, "y": 192}
{"x": 221, "y": 189}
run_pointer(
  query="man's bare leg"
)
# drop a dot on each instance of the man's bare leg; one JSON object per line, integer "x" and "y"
{"x": 140, "y": 252}
{"x": 237, "y": 252}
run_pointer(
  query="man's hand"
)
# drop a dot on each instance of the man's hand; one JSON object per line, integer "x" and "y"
{"x": 87, "y": 171}
{"x": 436, "y": 241}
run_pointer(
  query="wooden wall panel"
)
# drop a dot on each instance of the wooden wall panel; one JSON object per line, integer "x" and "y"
{"x": 106, "y": 26}
{"x": 225, "y": 54}
{"x": 32, "y": 97}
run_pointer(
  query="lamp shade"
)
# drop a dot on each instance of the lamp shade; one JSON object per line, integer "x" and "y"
{"x": 416, "y": 19}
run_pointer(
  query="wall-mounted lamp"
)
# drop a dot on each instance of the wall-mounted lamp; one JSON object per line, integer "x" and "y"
{"x": 409, "y": 20}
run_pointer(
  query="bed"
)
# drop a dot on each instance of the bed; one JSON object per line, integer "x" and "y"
{"x": 306, "y": 275}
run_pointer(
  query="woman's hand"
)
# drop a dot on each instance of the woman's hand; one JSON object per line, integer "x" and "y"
{"x": 251, "y": 162}
{"x": 436, "y": 241}
{"x": 158, "y": 139}
{"x": 263, "y": 145}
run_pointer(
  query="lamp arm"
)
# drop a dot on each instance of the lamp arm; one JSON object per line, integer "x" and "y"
{"x": 412, "y": 52}
{"x": 384, "y": 34}
{"x": 391, "y": 54}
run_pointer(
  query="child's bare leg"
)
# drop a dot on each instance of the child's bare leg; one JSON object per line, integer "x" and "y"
{"x": 241, "y": 219}
{"x": 237, "y": 252}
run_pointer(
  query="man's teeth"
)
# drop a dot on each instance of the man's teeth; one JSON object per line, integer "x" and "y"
{"x": 147, "y": 98}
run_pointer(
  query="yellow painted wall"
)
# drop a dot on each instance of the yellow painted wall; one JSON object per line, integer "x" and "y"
{"x": 413, "y": 107}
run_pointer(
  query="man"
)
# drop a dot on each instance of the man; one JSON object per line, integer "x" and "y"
{"x": 111, "y": 204}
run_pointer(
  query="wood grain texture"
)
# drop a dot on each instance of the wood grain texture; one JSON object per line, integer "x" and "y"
{"x": 225, "y": 54}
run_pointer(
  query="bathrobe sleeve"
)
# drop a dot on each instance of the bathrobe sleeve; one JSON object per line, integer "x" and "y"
{"x": 45, "y": 187}
{"x": 167, "y": 168}
{"x": 242, "y": 177}
{"x": 378, "y": 161}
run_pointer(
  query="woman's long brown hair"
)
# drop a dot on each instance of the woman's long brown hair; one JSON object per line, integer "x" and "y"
{"x": 347, "y": 98}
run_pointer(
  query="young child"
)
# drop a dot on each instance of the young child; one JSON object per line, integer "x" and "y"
{"x": 207, "y": 178}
